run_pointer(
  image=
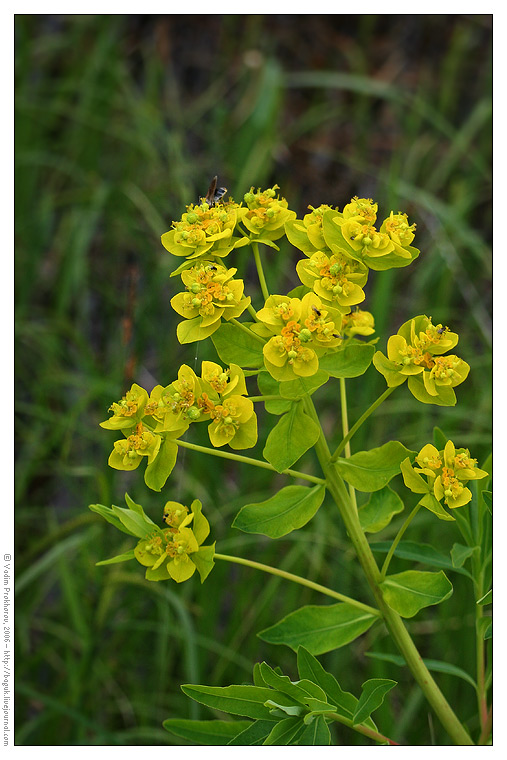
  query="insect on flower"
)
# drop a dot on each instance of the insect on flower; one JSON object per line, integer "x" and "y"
{"x": 214, "y": 193}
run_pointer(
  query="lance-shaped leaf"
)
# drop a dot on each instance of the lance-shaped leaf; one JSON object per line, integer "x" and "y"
{"x": 409, "y": 592}
{"x": 288, "y": 510}
{"x": 433, "y": 505}
{"x": 234, "y": 346}
{"x": 351, "y": 361}
{"x": 487, "y": 598}
{"x": 319, "y": 628}
{"x": 416, "y": 552}
{"x": 379, "y": 510}
{"x": 108, "y": 515}
{"x": 159, "y": 470}
{"x": 255, "y": 733}
{"x": 119, "y": 558}
{"x": 207, "y": 732}
{"x": 291, "y": 437}
{"x": 309, "y": 668}
{"x": 285, "y": 732}
{"x": 316, "y": 734}
{"x": 303, "y": 691}
{"x": 247, "y": 701}
{"x": 138, "y": 525}
{"x": 371, "y": 697}
{"x": 372, "y": 470}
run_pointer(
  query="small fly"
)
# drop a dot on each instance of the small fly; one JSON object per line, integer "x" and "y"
{"x": 317, "y": 312}
{"x": 214, "y": 193}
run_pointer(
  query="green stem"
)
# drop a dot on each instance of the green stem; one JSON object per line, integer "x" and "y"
{"x": 393, "y": 621}
{"x": 298, "y": 579}
{"x": 364, "y": 730}
{"x": 360, "y": 421}
{"x": 249, "y": 460}
{"x": 260, "y": 271}
{"x": 397, "y": 540}
{"x": 252, "y": 312}
{"x": 247, "y": 330}
{"x": 345, "y": 431}
{"x": 486, "y": 729}
{"x": 480, "y": 648}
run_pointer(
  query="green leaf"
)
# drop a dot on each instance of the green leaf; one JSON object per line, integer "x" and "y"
{"x": 291, "y": 437}
{"x": 159, "y": 470}
{"x": 378, "y": 512}
{"x": 133, "y": 506}
{"x": 319, "y": 628}
{"x": 119, "y": 558}
{"x": 303, "y": 691}
{"x": 446, "y": 395}
{"x": 268, "y": 386}
{"x": 203, "y": 560}
{"x": 437, "y": 666}
{"x": 136, "y": 524}
{"x": 488, "y": 633}
{"x": 487, "y": 498}
{"x": 283, "y": 732}
{"x": 234, "y": 346}
{"x": 487, "y": 598}
{"x": 255, "y": 733}
{"x": 409, "y": 592}
{"x": 433, "y": 505}
{"x": 206, "y": 732}
{"x": 372, "y": 470}
{"x": 351, "y": 361}
{"x": 288, "y": 510}
{"x": 439, "y": 439}
{"x": 316, "y": 734}
{"x": 460, "y": 553}
{"x": 237, "y": 700}
{"x": 371, "y": 697}
{"x": 108, "y": 515}
{"x": 295, "y": 389}
{"x": 416, "y": 552}
{"x": 309, "y": 668}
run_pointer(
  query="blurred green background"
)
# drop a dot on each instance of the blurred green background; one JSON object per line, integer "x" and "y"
{"x": 120, "y": 122}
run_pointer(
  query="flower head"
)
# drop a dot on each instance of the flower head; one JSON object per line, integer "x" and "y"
{"x": 128, "y": 453}
{"x": 266, "y": 213}
{"x": 205, "y": 230}
{"x": 442, "y": 474}
{"x": 211, "y": 294}
{"x": 415, "y": 352}
{"x": 128, "y": 411}
{"x": 336, "y": 278}
{"x": 175, "y": 406}
{"x": 177, "y": 552}
{"x": 234, "y": 422}
{"x": 304, "y": 329}
{"x": 358, "y": 322}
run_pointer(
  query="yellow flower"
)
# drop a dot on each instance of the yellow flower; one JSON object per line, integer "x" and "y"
{"x": 127, "y": 453}
{"x": 205, "y": 231}
{"x": 446, "y": 473}
{"x": 335, "y": 278}
{"x": 399, "y": 230}
{"x": 364, "y": 208}
{"x": 304, "y": 329}
{"x": 211, "y": 293}
{"x": 415, "y": 353}
{"x": 175, "y": 406}
{"x": 266, "y": 214}
{"x": 128, "y": 411}
{"x": 358, "y": 322}
{"x": 307, "y": 233}
{"x": 177, "y": 551}
{"x": 234, "y": 422}
{"x": 224, "y": 381}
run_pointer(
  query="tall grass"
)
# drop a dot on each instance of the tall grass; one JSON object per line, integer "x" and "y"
{"x": 120, "y": 122}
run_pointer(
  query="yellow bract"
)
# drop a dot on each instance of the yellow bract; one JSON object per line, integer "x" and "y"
{"x": 205, "y": 230}
{"x": 335, "y": 278}
{"x": 266, "y": 213}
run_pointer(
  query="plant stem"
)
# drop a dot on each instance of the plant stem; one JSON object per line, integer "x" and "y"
{"x": 486, "y": 729}
{"x": 260, "y": 271}
{"x": 247, "y": 330}
{"x": 249, "y": 460}
{"x": 393, "y": 621}
{"x": 360, "y": 421}
{"x": 397, "y": 540}
{"x": 252, "y": 312}
{"x": 480, "y": 648}
{"x": 364, "y": 730}
{"x": 300, "y": 580}
{"x": 345, "y": 431}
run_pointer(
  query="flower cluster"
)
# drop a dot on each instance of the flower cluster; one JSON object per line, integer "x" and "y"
{"x": 352, "y": 233}
{"x": 205, "y": 230}
{"x": 302, "y": 330}
{"x": 177, "y": 552}
{"x": 335, "y": 278}
{"x": 358, "y": 322}
{"x": 148, "y": 422}
{"x": 211, "y": 294}
{"x": 442, "y": 475}
{"x": 416, "y": 353}
{"x": 266, "y": 214}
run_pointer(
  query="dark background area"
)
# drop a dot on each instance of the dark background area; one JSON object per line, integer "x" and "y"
{"x": 120, "y": 122}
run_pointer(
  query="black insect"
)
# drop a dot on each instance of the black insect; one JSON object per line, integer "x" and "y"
{"x": 442, "y": 330}
{"x": 317, "y": 312}
{"x": 214, "y": 193}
